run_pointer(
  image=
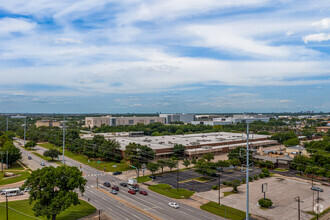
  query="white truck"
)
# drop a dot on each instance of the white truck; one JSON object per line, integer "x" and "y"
{"x": 132, "y": 182}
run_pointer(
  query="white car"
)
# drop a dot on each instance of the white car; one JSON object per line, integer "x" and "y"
{"x": 173, "y": 205}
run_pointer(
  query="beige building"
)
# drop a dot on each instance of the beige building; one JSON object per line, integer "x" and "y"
{"x": 115, "y": 121}
{"x": 48, "y": 123}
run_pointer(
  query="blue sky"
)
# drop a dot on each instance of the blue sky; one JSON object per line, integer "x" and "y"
{"x": 126, "y": 56}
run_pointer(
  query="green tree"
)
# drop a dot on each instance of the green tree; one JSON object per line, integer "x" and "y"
{"x": 203, "y": 167}
{"x": 14, "y": 153}
{"x": 162, "y": 164}
{"x": 10, "y": 134}
{"x": 171, "y": 164}
{"x": 54, "y": 189}
{"x": 208, "y": 157}
{"x": 179, "y": 131}
{"x": 153, "y": 167}
{"x": 235, "y": 162}
{"x": 178, "y": 150}
{"x": 222, "y": 163}
{"x": 234, "y": 184}
{"x": 186, "y": 163}
{"x": 291, "y": 142}
{"x": 30, "y": 144}
{"x": 52, "y": 153}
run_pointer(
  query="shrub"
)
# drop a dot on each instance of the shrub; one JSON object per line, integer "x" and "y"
{"x": 266, "y": 203}
{"x": 261, "y": 175}
{"x": 243, "y": 181}
{"x": 255, "y": 177}
{"x": 250, "y": 179}
{"x": 224, "y": 183}
{"x": 265, "y": 170}
{"x": 215, "y": 187}
{"x": 267, "y": 174}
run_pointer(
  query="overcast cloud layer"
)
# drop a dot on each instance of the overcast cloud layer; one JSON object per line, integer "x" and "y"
{"x": 164, "y": 56}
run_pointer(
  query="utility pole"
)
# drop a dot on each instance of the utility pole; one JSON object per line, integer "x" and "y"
{"x": 298, "y": 200}
{"x": 219, "y": 188}
{"x": 313, "y": 190}
{"x": 247, "y": 172}
{"x": 1, "y": 162}
{"x": 63, "y": 139}
{"x": 177, "y": 179}
{"x": 6, "y": 205}
{"x": 7, "y": 161}
{"x": 7, "y": 124}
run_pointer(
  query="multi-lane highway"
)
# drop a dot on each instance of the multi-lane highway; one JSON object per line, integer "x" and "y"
{"x": 155, "y": 204}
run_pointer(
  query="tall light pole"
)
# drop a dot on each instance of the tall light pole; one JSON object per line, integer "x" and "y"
{"x": 247, "y": 172}
{"x": 7, "y": 124}
{"x": 24, "y": 131}
{"x": 63, "y": 139}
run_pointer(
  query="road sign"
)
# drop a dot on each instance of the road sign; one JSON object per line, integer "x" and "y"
{"x": 144, "y": 170}
{"x": 264, "y": 187}
{"x": 144, "y": 166}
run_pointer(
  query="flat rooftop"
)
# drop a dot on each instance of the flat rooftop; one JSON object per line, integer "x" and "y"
{"x": 163, "y": 142}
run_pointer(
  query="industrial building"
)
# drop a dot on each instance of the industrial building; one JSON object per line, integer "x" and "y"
{"x": 196, "y": 144}
{"x": 183, "y": 117}
{"x": 91, "y": 122}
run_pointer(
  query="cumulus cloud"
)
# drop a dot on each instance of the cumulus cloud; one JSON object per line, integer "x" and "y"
{"x": 316, "y": 37}
{"x": 323, "y": 24}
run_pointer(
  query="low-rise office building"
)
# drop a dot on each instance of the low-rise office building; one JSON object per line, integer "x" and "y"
{"x": 233, "y": 120}
{"x": 91, "y": 122}
{"x": 183, "y": 117}
{"x": 48, "y": 123}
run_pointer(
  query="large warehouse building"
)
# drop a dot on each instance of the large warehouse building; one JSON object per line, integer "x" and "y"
{"x": 196, "y": 144}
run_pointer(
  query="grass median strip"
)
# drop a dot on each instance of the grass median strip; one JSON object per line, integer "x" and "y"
{"x": 143, "y": 179}
{"x": 171, "y": 192}
{"x": 223, "y": 211}
{"x": 21, "y": 175}
{"x": 23, "y": 210}
{"x": 46, "y": 158}
{"x": 109, "y": 166}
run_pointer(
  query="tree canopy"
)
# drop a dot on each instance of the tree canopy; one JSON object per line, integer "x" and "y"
{"x": 54, "y": 189}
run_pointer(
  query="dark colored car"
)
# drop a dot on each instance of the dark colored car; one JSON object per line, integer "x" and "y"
{"x": 117, "y": 173}
{"x": 29, "y": 157}
{"x": 123, "y": 184}
{"x": 152, "y": 177}
{"x": 214, "y": 175}
{"x": 115, "y": 188}
{"x": 107, "y": 184}
{"x": 144, "y": 193}
{"x": 131, "y": 191}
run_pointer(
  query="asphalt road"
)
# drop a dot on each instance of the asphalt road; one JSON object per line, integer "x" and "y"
{"x": 154, "y": 203}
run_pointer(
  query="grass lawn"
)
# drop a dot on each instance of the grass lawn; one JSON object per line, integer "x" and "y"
{"x": 109, "y": 166}
{"x": 15, "y": 166}
{"x": 223, "y": 211}
{"x": 74, "y": 212}
{"x": 282, "y": 170}
{"x": 23, "y": 176}
{"x": 143, "y": 179}
{"x": 168, "y": 191}
{"x": 229, "y": 193}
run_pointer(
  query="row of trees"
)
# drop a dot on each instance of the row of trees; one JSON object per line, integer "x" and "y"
{"x": 7, "y": 145}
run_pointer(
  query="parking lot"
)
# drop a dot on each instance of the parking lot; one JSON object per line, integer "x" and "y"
{"x": 228, "y": 175}
{"x": 282, "y": 191}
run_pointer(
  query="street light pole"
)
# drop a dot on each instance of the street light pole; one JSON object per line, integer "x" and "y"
{"x": 219, "y": 189}
{"x": 63, "y": 139}
{"x": 24, "y": 131}
{"x": 7, "y": 124}
{"x": 247, "y": 172}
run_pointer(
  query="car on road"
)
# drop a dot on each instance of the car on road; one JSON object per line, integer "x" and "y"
{"x": 115, "y": 192}
{"x": 136, "y": 189}
{"x": 317, "y": 189}
{"x": 152, "y": 177}
{"x": 42, "y": 164}
{"x": 123, "y": 184}
{"x": 117, "y": 173}
{"x": 29, "y": 158}
{"x": 115, "y": 188}
{"x": 143, "y": 192}
{"x": 173, "y": 205}
{"x": 131, "y": 191}
{"x": 107, "y": 184}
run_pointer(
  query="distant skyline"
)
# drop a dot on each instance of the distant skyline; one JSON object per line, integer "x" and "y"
{"x": 147, "y": 56}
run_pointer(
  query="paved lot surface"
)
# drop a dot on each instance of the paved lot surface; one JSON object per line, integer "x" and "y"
{"x": 281, "y": 191}
{"x": 230, "y": 175}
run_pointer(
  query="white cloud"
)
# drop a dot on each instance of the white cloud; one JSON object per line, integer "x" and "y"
{"x": 11, "y": 25}
{"x": 316, "y": 37}
{"x": 136, "y": 105}
{"x": 67, "y": 41}
{"x": 323, "y": 24}
{"x": 285, "y": 101}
